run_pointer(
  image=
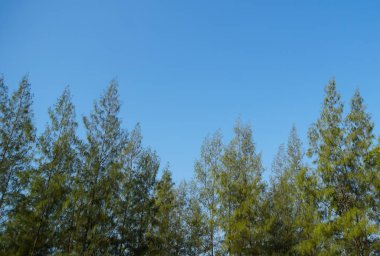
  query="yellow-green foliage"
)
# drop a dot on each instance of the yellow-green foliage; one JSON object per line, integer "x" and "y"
{"x": 100, "y": 195}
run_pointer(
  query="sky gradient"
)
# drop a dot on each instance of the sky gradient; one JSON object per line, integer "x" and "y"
{"x": 188, "y": 68}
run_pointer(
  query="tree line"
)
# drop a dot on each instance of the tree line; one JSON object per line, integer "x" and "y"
{"x": 103, "y": 195}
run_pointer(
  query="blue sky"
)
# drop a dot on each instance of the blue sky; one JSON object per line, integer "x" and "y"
{"x": 188, "y": 68}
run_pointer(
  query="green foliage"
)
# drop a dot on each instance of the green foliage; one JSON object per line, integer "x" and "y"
{"x": 196, "y": 226}
{"x": 241, "y": 190}
{"x": 40, "y": 221}
{"x": 166, "y": 235}
{"x": 97, "y": 184}
{"x": 284, "y": 199}
{"x": 340, "y": 146}
{"x": 17, "y": 135}
{"x": 17, "y": 142}
{"x": 207, "y": 171}
{"x": 60, "y": 195}
{"x": 134, "y": 204}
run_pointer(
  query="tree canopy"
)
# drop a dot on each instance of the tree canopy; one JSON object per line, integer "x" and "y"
{"x": 107, "y": 194}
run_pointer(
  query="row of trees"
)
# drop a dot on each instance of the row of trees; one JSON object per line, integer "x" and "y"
{"x": 63, "y": 195}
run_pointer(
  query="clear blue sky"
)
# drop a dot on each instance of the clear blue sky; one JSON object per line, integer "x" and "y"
{"x": 188, "y": 68}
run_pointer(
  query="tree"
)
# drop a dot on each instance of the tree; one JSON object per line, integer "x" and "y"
{"x": 37, "y": 227}
{"x": 308, "y": 217}
{"x": 167, "y": 237}
{"x": 97, "y": 184}
{"x": 340, "y": 146}
{"x": 241, "y": 188}
{"x": 63, "y": 196}
{"x": 372, "y": 163}
{"x": 132, "y": 152}
{"x": 17, "y": 136}
{"x": 141, "y": 210}
{"x": 207, "y": 170}
{"x": 326, "y": 143}
{"x": 291, "y": 208}
{"x": 195, "y": 222}
{"x": 357, "y": 227}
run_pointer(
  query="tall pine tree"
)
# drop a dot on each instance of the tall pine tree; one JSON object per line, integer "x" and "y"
{"x": 242, "y": 190}
{"x": 17, "y": 136}
{"x": 38, "y": 225}
{"x": 207, "y": 170}
{"x": 283, "y": 200}
{"x": 98, "y": 181}
{"x": 340, "y": 146}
